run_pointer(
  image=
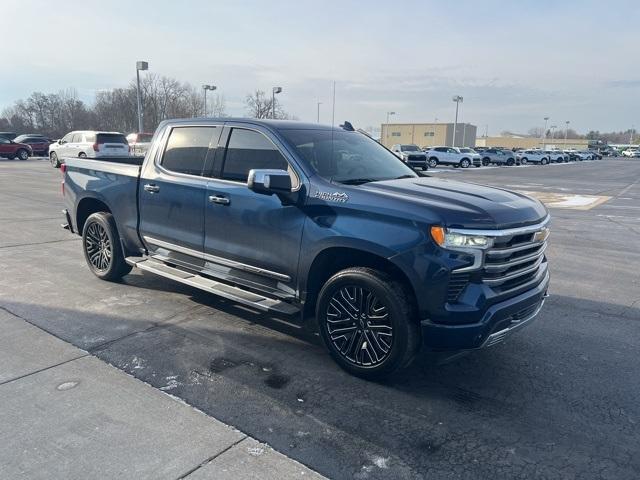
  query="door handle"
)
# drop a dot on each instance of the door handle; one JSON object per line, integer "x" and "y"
{"x": 151, "y": 188}
{"x": 219, "y": 199}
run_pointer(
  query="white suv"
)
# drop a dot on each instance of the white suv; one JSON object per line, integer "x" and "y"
{"x": 89, "y": 144}
{"x": 450, "y": 156}
{"x": 532, "y": 156}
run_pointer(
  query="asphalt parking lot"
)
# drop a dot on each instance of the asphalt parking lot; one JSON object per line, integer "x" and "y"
{"x": 558, "y": 400}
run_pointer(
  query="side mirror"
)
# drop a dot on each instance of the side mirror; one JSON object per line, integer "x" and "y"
{"x": 268, "y": 182}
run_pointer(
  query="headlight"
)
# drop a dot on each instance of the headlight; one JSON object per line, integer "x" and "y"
{"x": 448, "y": 239}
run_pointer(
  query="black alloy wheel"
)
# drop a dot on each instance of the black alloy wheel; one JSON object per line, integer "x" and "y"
{"x": 98, "y": 247}
{"x": 359, "y": 327}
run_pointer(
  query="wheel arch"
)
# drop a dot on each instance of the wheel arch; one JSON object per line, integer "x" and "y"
{"x": 332, "y": 259}
{"x": 88, "y": 206}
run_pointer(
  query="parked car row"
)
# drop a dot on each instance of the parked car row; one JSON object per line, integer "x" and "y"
{"x": 464, "y": 157}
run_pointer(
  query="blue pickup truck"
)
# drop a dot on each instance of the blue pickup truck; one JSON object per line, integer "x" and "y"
{"x": 322, "y": 225}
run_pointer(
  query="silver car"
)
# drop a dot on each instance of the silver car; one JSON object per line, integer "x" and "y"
{"x": 498, "y": 156}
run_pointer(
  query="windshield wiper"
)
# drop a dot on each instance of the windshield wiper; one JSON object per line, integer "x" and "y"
{"x": 356, "y": 181}
{"x": 408, "y": 175}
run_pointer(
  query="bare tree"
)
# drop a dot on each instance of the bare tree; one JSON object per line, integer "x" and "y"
{"x": 260, "y": 105}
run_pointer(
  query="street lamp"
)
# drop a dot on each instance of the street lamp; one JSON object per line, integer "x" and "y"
{"x": 566, "y": 131}
{"x": 390, "y": 113}
{"x": 319, "y": 103}
{"x": 553, "y": 130}
{"x": 458, "y": 100}
{"x": 205, "y": 88}
{"x": 544, "y": 132}
{"x": 140, "y": 65}
{"x": 274, "y": 90}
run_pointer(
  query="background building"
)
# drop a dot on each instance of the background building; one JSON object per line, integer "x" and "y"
{"x": 428, "y": 134}
{"x": 532, "y": 142}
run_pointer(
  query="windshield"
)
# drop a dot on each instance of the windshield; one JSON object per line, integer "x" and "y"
{"x": 467, "y": 150}
{"x": 145, "y": 137}
{"x": 346, "y": 157}
{"x": 410, "y": 148}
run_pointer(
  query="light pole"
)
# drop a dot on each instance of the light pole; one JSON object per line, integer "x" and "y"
{"x": 566, "y": 131}
{"x": 631, "y": 134}
{"x": 140, "y": 65}
{"x": 206, "y": 88}
{"x": 458, "y": 100}
{"x": 274, "y": 90}
{"x": 553, "y": 131}
{"x": 544, "y": 133}
{"x": 390, "y": 113}
{"x": 319, "y": 103}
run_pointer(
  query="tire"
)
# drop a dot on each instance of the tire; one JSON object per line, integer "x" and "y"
{"x": 544, "y": 161}
{"x": 102, "y": 249}
{"x": 425, "y": 168}
{"x": 433, "y": 162}
{"x": 53, "y": 158}
{"x": 486, "y": 161}
{"x": 11, "y": 157}
{"x": 464, "y": 163}
{"x": 22, "y": 154}
{"x": 511, "y": 162}
{"x": 348, "y": 332}
{"x": 523, "y": 161}
{"x": 82, "y": 155}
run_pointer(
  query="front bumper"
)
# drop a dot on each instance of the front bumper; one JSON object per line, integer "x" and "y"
{"x": 500, "y": 321}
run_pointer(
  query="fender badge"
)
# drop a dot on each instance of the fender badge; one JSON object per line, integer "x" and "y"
{"x": 339, "y": 197}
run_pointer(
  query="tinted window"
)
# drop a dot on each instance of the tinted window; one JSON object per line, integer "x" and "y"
{"x": 112, "y": 138}
{"x": 247, "y": 150}
{"x": 4, "y": 140}
{"x": 346, "y": 157}
{"x": 187, "y": 149}
{"x": 145, "y": 137}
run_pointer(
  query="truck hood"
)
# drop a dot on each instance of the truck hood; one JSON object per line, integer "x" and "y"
{"x": 417, "y": 152}
{"x": 463, "y": 205}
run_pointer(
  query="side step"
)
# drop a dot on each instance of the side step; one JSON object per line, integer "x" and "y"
{"x": 235, "y": 294}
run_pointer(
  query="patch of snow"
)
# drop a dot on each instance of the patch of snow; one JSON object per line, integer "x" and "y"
{"x": 255, "y": 451}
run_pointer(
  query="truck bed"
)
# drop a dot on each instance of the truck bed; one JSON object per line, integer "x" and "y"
{"x": 131, "y": 160}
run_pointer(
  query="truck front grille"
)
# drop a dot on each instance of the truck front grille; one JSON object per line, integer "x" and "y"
{"x": 416, "y": 158}
{"x": 513, "y": 261}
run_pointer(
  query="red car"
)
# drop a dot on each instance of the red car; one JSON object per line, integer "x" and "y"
{"x": 10, "y": 149}
{"x": 38, "y": 143}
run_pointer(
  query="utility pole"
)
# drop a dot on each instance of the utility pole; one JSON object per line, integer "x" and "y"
{"x": 458, "y": 100}
{"x": 206, "y": 88}
{"x": 140, "y": 65}
{"x": 274, "y": 90}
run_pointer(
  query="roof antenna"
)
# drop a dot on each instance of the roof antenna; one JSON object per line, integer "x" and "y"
{"x": 347, "y": 126}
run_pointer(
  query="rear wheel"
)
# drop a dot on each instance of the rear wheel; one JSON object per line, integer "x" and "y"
{"x": 102, "y": 249}
{"x": 544, "y": 161}
{"x": 53, "y": 158}
{"x": 511, "y": 162}
{"x": 486, "y": 161}
{"x": 433, "y": 162}
{"x": 367, "y": 323}
{"x": 82, "y": 155}
{"x": 464, "y": 163}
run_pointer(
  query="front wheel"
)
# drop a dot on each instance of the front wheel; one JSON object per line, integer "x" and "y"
{"x": 82, "y": 155}
{"x": 102, "y": 249}
{"x": 523, "y": 161}
{"x": 511, "y": 162}
{"x": 53, "y": 158}
{"x": 464, "y": 163}
{"x": 486, "y": 162}
{"x": 544, "y": 161}
{"x": 367, "y": 322}
{"x": 23, "y": 154}
{"x": 433, "y": 162}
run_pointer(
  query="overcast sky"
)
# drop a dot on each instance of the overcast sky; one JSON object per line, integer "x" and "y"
{"x": 514, "y": 62}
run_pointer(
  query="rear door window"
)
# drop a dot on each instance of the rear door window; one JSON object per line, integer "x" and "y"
{"x": 247, "y": 150}
{"x": 188, "y": 147}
